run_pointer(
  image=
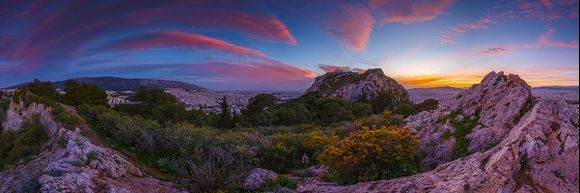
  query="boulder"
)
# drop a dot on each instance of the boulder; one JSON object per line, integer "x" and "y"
{"x": 257, "y": 177}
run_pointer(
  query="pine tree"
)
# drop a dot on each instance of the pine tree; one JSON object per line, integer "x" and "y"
{"x": 226, "y": 114}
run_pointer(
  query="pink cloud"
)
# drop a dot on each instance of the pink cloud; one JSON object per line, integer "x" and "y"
{"x": 448, "y": 37}
{"x": 528, "y": 9}
{"x": 256, "y": 72}
{"x": 359, "y": 70}
{"x": 259, "y": 26}
{"x": 447, "y": 41}
{"x": 332, "y": 68}
{"x": 181, "y": 40}
{"x": 539, "y": 9}
{"x": 496, "y": 50}
{"x": 353, "y": 25}
{"x": 263, "y": 75}
{"x": 548, "y": 9}
{"x": 62, "y": 32}
{"x": 546, "y": 39}
{"x": 405, "y": 11}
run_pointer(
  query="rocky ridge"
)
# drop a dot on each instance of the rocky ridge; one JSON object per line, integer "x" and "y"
{"x": 354, "y": 86}
{"x": 517, "y": 145}
{"x": 540, "y": 154}
{"x": 477, "y": 119}
{"x": 70, "y": 162}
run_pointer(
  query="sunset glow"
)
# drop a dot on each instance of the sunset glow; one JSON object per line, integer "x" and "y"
{"x": 283, "y": 45}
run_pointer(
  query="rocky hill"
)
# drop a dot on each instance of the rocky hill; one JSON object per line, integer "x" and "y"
{"x": 71, "y": 162}
{"x": 124, "y": 84}
{"x": 475, "y": 120}
{"x": 354, "y": 86}
{"x": 493, "y": 137}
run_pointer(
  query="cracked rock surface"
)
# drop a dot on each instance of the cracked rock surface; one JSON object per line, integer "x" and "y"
{"x": 70, "y": 162}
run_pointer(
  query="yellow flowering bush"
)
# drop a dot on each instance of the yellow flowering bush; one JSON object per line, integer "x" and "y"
{"x": 314, "y": 143}
{"x": 372, "y": 154}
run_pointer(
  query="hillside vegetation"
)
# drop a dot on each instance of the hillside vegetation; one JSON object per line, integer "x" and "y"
{"x": 215, "y": 151}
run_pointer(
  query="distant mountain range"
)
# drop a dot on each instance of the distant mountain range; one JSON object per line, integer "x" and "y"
{"x": 553, "y": 88}
{"x": 123, "y": 84}
{"x": 557, "y": 88}
{"x": 447, "y": 88}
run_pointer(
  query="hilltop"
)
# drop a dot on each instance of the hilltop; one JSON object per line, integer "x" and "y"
{"x": 123, "y": 84}
{"x": 354, "y": 86}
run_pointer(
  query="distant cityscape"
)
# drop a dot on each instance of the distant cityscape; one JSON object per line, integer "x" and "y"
{"x": 206, "y": 100}
{"x": 209, "y": 100}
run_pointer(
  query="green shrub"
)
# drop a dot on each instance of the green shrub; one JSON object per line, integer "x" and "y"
{"x": 446, "y": 135}
{"x": 212, "y": 169}
{"x": 23, "y": 144}
{"x": 462, "y": 129}
{"x": 4, "y": 103}
{"x": 528, "y": 105}
{"x": 279, "y": 182}
{"x": 42, "y": 89}
{"x": 383, "y": 102}
{"x": 155, "y": 104}
{"x": 407, "y": 109}
{"x": 283, "y": 154}
{"x": 78, "y": 94}
{"x": 257, "y": 112}
{"x": 69, "y": 120}
{"x": 448, "y": 116}
{"x": 386, "y": 118}
{"x": 92, "y": 155}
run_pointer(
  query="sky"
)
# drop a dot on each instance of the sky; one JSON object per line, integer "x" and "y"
{"x": 284, "y": 45}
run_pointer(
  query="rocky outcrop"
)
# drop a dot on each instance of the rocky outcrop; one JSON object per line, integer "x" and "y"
{"x": 475, "y": 120}
{"x": 70, "y": 162}
{"x": 258, "y": 177}
{"x": 354, "y": 86}
{"x": 538, "y": 154}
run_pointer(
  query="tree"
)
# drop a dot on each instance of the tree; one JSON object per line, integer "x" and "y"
{"x": 428, "y": 104}
{"x": 155, "y": 104}
{"x": 381, "y": 102}
{"x": 78, "y": 94}
{"x": 257, "y": 112}
{"x": 225, "y": 121}
{"x": 407, "y": 109}
{"x": 44, "y": 89}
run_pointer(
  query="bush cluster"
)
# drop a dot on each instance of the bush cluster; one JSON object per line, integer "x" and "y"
{"x": 23, "y": 144}
{"x": 78, "y": 94}
{"x": 372, "y": 154}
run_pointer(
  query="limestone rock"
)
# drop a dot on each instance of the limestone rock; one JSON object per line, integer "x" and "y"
{"x": 70, "y": 162}
{"x": 487, "y": 111}
{"x": 353, "y": 86}
{"x": 538, "y": 154}
{"x": 257, "y": 177}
